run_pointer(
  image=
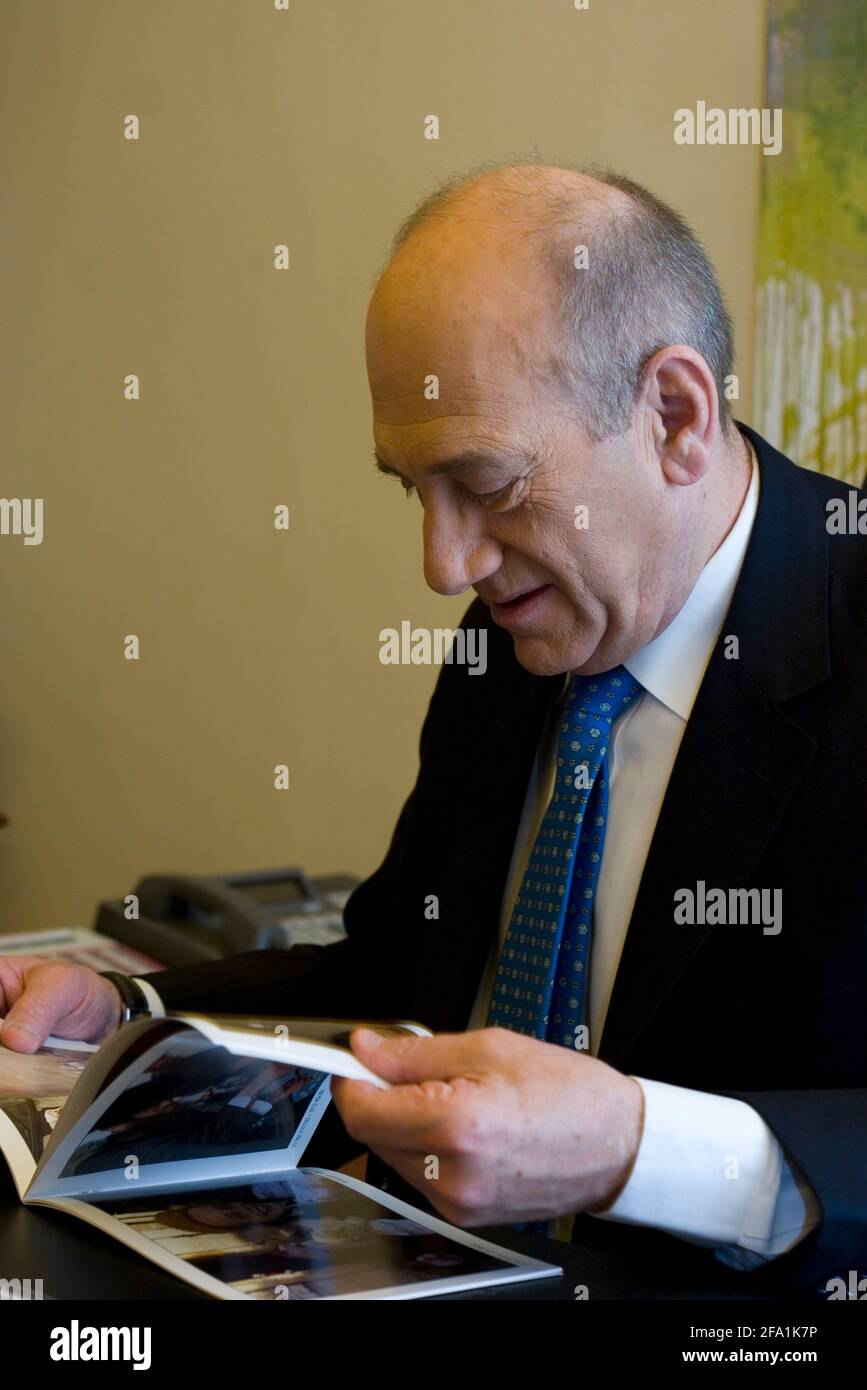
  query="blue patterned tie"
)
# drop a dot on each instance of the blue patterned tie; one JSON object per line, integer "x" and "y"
{"x": 541, "y": 986}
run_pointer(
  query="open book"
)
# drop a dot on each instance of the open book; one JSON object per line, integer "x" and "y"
{"x": 181, "y": 1137}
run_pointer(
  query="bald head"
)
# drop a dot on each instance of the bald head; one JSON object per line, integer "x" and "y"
{"x": 526, "y": 200}
{"x": 619, "y": 270}
{"x": 461, "y": 292}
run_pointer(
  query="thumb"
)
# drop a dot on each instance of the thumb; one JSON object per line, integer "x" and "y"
{"x": 412, "y": 1058}
{"x": 57, "y": 996}
{"x": 30, "y": 1019}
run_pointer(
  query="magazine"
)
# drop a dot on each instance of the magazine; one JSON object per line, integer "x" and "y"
{"x": 181, "y": 1137}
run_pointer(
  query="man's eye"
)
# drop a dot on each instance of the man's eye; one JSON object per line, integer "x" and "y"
{"x": 490, "y": 499}
{"x": 487, "y": 499}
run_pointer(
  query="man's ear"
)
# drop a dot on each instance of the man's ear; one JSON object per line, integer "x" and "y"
{"x": 679, "y": 391}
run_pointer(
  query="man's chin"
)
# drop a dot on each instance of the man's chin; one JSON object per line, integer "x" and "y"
{"x": 543, "y": 658}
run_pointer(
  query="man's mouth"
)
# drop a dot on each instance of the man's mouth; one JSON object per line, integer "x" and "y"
{"x": 514, "y": 610}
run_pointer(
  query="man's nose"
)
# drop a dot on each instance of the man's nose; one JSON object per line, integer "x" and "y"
{"x": 457, "y": 553}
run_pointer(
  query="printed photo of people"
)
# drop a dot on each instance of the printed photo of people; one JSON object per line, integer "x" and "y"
{"x": 52, "y": 1071}
{"x": 34, "y": 1120}
{"x": 304, "y": 1237}
{"x": 195, "y": 1100}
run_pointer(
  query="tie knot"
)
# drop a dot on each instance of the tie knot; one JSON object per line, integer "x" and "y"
{"x": 606, "y": 694}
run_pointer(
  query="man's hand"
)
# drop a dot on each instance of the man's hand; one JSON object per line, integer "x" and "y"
{"x": 39, "y": 997}
{"x": 520, "y": 1129}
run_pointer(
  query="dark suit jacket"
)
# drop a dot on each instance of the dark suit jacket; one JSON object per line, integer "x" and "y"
{"x": 768, "y": 791}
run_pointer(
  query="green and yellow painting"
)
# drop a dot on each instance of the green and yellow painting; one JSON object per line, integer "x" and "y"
{"x": 811, "y": 359}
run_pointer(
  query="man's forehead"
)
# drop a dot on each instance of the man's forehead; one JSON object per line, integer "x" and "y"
{"x": 461, "y": 348}
{"x": 469, "y": 295}
{"x": 437, "y": 459}
{"x": 457, "y": 444}
{"x": 477, "y": 359}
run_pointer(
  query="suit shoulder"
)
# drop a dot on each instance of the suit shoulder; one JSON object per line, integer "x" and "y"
{"x": 841, "y": 512}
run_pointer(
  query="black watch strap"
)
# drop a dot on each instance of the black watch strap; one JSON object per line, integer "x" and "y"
{"x": 133, "y": 1002}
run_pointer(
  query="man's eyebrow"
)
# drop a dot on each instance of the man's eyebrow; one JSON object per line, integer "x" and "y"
{"x": 460, "y": 464}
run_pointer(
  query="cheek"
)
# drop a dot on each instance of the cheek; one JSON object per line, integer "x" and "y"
{"x": 549, "y": 539}
{"x": 575, "y": 611}
{"x": 584, "y": 568}
{"x": 576, "y": 547}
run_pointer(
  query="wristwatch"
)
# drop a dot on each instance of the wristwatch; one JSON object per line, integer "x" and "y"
{"x": 134, "y": 1005}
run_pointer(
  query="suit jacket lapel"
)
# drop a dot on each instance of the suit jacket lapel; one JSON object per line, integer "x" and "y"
{"x": 742, "y": 756}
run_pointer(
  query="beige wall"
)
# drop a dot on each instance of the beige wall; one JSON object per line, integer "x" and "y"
{"x": 153, "y": 257}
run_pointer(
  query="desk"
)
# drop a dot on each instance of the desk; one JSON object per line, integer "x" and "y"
{"x": 75, "y": 1261}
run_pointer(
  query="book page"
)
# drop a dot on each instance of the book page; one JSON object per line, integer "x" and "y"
{"x": 33, "y": 1089}
{"x": 322, "y": 1042}
{"x": 176, "y": 1109}
{"x": 194, "y": 1098}
{"x": 309, "y": 1235}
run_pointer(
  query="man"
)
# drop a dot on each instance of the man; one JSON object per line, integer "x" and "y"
{"x": 672, "y": 717}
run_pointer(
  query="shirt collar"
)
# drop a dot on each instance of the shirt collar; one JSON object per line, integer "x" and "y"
{"x": 672, "y": 666}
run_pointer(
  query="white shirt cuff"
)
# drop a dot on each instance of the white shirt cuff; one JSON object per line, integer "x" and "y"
{"x": 154, "y": 1003}
{"x": 710, "y": 1171}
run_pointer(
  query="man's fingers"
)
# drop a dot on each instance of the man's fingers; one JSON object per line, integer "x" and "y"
{"x": 429, "y": 1079}
{"x": 22, "y": 1030}
{"x": 38, "y": 1007}
{"x": 404, "y": 1117}
{"x": 29, "y": 1004}
{"x": 412, "y": 1058}
{"x": 54, "y": 995}
{"x": 13, "y": 970}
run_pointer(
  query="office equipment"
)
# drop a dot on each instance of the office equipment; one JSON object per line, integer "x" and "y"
{"x": 183, "y": 918}
{"x": 80, "y": 947}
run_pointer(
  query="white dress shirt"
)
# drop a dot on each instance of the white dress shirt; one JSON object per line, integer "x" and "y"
{"x": 683, "y": 1181}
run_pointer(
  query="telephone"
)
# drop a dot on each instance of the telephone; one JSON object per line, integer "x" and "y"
{"x": 183, "y": 918}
